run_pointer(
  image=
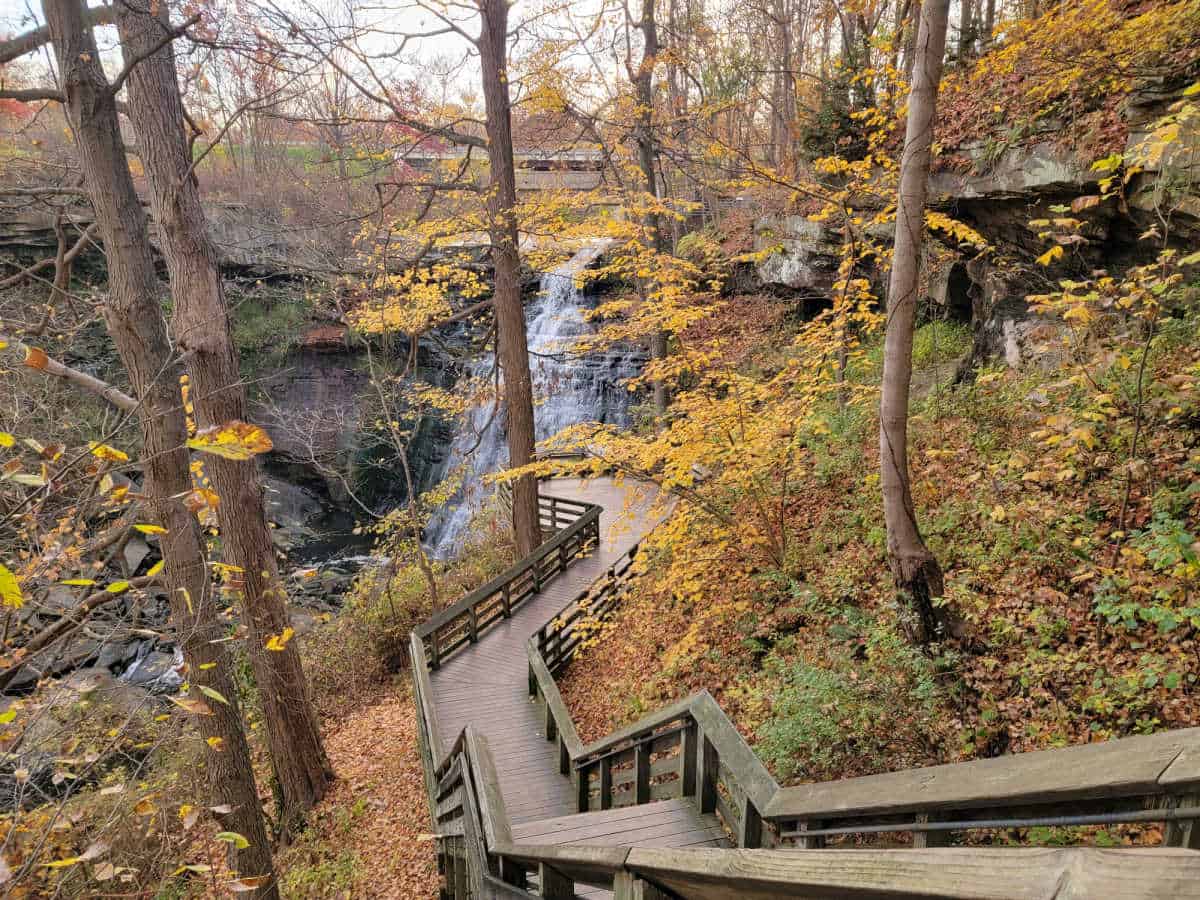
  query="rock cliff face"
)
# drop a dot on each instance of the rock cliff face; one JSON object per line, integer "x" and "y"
{"x": 998, "y": 191}
{"x": 251, "y": 242}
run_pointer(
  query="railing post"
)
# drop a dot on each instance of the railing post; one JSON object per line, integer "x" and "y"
{"x": 1183, "y": 832}
{"x": 606, "y": 796}
{"x": 506, "y": 603}
{"x": 810, "y": 843}
{"x": 709, "y": 773}
{"x": 462, "y": 877}
{"x": 554, "y": 884}
{"x": 750, "y": 827}
{"x": 583, "y": 785}
{"x": 435, "y": 652}
{"x": 641, "y": 756}
{"x": 627, "y": 886}
{"x": 473, "y": 625}
{"x": 688, "y": 752}
{"x": 925, "y": 839}
{"x": 564, "y": 758}
{"x": 551, "y": 725}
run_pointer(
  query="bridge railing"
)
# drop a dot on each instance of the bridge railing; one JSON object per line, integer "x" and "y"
{"x": 692, "y": 749}
{"x": 479, "y": 859}
{"x": 577, "y": 527}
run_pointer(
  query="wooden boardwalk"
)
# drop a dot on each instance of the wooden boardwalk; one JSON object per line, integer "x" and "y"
{"x": 507, "y": 822}
{"x": 485, "y": 685}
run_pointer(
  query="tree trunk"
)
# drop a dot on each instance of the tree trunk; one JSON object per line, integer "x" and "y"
{"x": 511, "y": 343}
{"x": 989, "y": 23}
{"x": 966, "y": 30}
{"x": 201, "y": 328}
{"x": 910, "y": 41}
{"x": 903, "y": 7}
{"x": 918, "y": 575}
{"x": 643, "y": 83}
{"x": 135, "y": 321}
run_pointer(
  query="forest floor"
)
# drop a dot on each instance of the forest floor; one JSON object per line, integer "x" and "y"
{"x": 369, "y": 837}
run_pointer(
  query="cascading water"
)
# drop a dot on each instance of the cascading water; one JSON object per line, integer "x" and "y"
{"x": 567, "y": 390}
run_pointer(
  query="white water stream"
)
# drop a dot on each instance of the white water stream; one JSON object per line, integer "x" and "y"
{"x": 567, "y": 390}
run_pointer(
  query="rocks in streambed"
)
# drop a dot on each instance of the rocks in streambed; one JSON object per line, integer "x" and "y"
{"x": 64, "y": 735}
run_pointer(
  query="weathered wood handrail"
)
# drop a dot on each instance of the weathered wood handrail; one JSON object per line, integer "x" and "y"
{"x": 480, "y": 859}
{"x": 698, "y": 752}
{"x": 559, "y": 639}
{"x": 692, "y": 749}
{"x": 1105, "y": 782}
{"x": 462, "y": 623}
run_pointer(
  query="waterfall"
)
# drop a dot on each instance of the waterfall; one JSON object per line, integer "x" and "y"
{"x": 567, "y": 390}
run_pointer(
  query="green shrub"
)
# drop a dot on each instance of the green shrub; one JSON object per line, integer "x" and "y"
{"x": 833, "y": 713}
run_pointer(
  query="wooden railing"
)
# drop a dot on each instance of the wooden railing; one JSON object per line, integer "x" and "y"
{"x": 559, "y": 639}
{"x": 691, "y": 749}
{"x": 577, "y": 527}
{"x": 479, "y": 859}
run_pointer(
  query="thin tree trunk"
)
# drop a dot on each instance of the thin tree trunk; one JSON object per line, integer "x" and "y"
{"x": 903, "y": 7}
{"x": 910, "y": 41}
{"x": 643, "y": 83}
{"x": 989, "y": 23}
{"x": 201, "y": 326}
{"x": 512, "y": 346}
{"x": 135, "y": 321}
{"x": 966, "y": 30}
{"x": 917, "y": 573}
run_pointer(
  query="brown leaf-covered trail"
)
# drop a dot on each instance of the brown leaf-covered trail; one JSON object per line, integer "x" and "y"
{"x": 380, "y": 784}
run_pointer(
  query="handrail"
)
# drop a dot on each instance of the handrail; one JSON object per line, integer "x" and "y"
{"x": 689, "y": 748}
{"x": 712, "y": 761}
{"x": 1097, "y": 783}
{"x": 462, "y": 623}
{"x": 1091, "y": 783}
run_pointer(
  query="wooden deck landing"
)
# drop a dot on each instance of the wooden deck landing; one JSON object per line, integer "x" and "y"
{"x": 485, "y": 685}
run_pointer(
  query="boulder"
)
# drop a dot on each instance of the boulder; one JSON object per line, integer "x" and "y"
{"x": 156, "y": 671}
{"x": 803, "y": 256}
{"x": 1039, "y": 168}
{"x": 65, "y": 728}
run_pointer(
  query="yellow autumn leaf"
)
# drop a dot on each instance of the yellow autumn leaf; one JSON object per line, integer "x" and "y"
{"x": 79, "y": 582}
{"x": 151, "y": 529}
{"x": 6, "y": 439}
{"x": 63, "y": 863}
{"x": 216, "y": 743}
{"x": 193, "y": 705}
{"x": 213, "y": 693}
{"x": 105, "y": 452}
{"x": 998, "y": 513}
{"x": 1050, "y": 255}
{"x": 232, "y": 837}
{"x": 155, "y": 569}
{"x": 10, "y": 590}
{"x": 233, "y": 440}
{"x": 118, "y": 587}
{"x": 278, "y": 641}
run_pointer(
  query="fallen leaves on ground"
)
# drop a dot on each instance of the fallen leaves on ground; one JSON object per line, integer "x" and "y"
{"x": 380, "y": 786}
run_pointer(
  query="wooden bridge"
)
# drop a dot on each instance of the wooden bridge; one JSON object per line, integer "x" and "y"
{"x": 678, "y": 805}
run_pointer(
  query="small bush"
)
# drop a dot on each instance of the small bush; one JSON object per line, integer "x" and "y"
{"x": 832, "y": 714}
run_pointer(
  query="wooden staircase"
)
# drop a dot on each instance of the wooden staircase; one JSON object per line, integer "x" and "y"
{"x": 678, "y": 805}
